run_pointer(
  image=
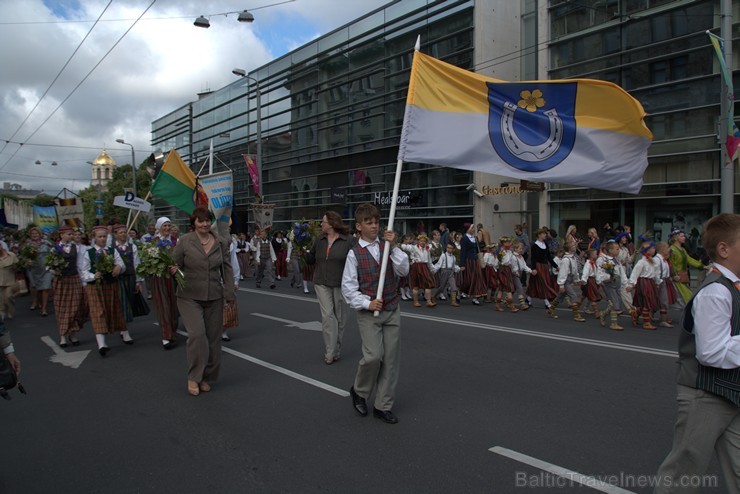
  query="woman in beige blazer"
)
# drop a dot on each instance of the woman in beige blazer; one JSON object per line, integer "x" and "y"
{"x": 205, "y": 261}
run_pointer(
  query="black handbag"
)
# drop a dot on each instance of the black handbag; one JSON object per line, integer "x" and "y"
{"x": 139, "y": 306}
{"x": 8, "y": 377}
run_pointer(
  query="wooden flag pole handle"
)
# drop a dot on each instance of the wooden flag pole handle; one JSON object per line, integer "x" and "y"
{"x": 136, "y": 216}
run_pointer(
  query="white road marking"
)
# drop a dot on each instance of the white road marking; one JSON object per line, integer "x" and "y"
{"x": 502, "y": 329}
{"x": 282, "y": 370}
{"x": 569, "y": 475}
{"x": 67, "y": 359}
{"x": 309, "y": 326}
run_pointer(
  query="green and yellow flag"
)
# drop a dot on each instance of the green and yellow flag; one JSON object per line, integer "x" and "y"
{"x": 177, "y": 184}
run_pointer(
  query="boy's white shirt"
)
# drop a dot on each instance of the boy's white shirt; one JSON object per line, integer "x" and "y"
{"x": 518, "y": 264}
{"x": 568, "y": 266}
{"x": 446, "y": 261}
{"x": 602, "y": 275}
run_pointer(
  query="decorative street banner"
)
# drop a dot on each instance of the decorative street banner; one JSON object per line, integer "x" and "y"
{"x": 263, "y": 215}
{"x": 253, "y": 172}
{"x": 219, "y": 188}
{"x": 45, "y": 217}
{"x": 69, "y": 212}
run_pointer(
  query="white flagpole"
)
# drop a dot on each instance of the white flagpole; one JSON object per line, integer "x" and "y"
{"x": 391, "y": 216}
{"x": 210, "y": 159}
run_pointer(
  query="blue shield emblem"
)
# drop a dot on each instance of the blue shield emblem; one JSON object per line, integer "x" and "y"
{"x": 532, "y": 125}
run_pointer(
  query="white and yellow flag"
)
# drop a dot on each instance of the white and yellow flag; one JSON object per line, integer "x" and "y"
{"x": 578, "y": 132}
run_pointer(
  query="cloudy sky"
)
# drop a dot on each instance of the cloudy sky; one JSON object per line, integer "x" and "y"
{"x": 158, "y": 66}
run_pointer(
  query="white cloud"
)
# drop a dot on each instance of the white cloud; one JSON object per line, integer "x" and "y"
{"x": 159, "y": 66}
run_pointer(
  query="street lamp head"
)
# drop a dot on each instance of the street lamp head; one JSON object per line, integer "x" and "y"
{"x": 120, "y": 141}
{"x": 239, "y": 72}
{"x": 38, "y": 162}
{"x": 202, "y": 22}
{"x": 54, "y": 163}
{"x": 245, "y": 16}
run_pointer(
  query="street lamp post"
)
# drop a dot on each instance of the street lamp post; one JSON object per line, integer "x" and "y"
{"x": 243, "y": 73}
{"x": 133, "y": 160}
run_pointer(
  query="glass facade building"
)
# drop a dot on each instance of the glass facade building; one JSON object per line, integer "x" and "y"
{"x": 331, "y": 114}
{"x": 332, "y": 111}
{"x": 659, "y": 51}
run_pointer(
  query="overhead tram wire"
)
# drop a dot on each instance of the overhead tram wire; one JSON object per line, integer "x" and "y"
{"x": 67, "y": 21}
{"x": 55, "y": 78}
{"x": 79, "y": 84}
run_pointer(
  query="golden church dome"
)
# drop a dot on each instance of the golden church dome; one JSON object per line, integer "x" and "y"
{"x": 104, "y": 160}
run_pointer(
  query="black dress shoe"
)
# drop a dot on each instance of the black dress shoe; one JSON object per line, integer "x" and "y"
{"x": 103, "y": 350}
{"x": 169, "y": 345}
{"x": 76, "y": 343}
{"x": 385, "y": 415}
{"x": 128, "y": 342}
{"x": 225, "y": 338}
{"x": 62, "y": 345}
{"x": 358, "y": 402}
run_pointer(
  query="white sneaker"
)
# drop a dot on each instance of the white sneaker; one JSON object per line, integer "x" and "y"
{"x": 442, "y": 297}
{"x": 476, "y": 302}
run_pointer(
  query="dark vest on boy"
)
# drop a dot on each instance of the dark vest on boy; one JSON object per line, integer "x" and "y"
{"x": 71, "y": 257}
{"x": 107, "y": 277}
{"x": 368, "y": 275}
{"x": 721, "y": 382}
{"x": 265, "y": 251}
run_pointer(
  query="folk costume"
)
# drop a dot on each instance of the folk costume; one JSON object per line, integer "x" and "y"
{"x": 518, "y": 268}
{"x": 490, "y": 274}
{"x": 7, "y": 282}
{"x": 681, "y": 261}
{"x": 506, "y": 275}
{"x": 163, "y": 292}
{"x": 445, "y": 268}
{"x": 542, "y": 285}
{"x": 103, "y": 294}
{"x": 645, "y": 279}
{"x": 569, "y": 279}
{"x": 591, "y": 291}
{"x": 472, "y": 280}
{"x": 244, "y": 257}
{"x": 667, "y": 293}
{"x": 624, "y": 257}
{"x": 279, "y": 245}
{"x": 131, "y": 304}
{"x": 379, "y": 366}
{"x": 70, "y": 308}
{"x": 265, "y": 258}
{"x": 294, "y": 259}
{"x": 611, "y": 276}
{"x": 231, "y": 313}
{"x": 420, "y": 274}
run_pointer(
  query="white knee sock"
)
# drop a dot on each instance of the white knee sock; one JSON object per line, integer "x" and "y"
{"x": 100, "y": 338}
{"x": 126, "y": 336}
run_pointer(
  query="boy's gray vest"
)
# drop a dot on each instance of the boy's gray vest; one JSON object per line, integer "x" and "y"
{"x": 721, "y": 382}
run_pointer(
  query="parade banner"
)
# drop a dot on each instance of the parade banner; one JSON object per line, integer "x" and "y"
{"x": 263, "y": 215}
{"x": 219, "y": 187}
{"x": 69, "y": 212}
{"x": 45, "y": 217}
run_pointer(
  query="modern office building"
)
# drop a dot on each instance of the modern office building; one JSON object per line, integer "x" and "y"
{"x": 331, "y": 112}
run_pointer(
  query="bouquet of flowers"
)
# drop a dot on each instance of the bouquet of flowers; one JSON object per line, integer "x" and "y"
{"x": 301, "y": 235}
{"x": 104, "y": 264}
{"x": 27, "y": 257}
{"x": 55, "y": 260}
{"x": 608, "y": 267}
{"x": 156, "y": 261}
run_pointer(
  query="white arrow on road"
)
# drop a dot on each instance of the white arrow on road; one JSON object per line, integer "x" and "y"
{"x": 67, "y": 359}
{"x": 308, "y": 326}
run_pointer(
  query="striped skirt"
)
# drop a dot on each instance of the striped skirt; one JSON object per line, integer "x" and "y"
{"x": 105, "y": 307}
{"x": 491, "y": 277}
{"x": 592, "y": 290}
{"x": 668, "y": 293}
{"x": 646, "y": 295}
{"x": 420, "y": 276}
{"x": 244, "y": 264}
{"x": 163, "y": 296}
{"x": 128, "y": 287}
{"x": 543, "y": 284}
{"x": 231, "y": 316}
{"x": 69, "y": 303}
{"x": 506, "y": 279}
{"x": 472, "y": 279}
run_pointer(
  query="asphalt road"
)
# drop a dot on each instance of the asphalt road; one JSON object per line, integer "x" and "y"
{"x": 487, "y": 402}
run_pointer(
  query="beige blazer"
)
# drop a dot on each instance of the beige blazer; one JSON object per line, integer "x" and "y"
{"x": 207, "y": 276}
